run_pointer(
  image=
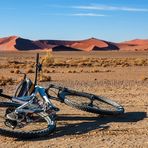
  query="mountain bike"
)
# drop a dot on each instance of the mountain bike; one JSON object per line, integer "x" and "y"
{"x": 30, "y": 112}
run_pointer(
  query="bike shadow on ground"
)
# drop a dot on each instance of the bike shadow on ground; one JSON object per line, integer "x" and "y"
{"x": 77, "y": 124}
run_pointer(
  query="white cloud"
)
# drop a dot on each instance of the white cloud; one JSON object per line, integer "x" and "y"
{"x": 88, "y": 14}
{"x": 110, "y": 8}
{"x": 77, "y": 14}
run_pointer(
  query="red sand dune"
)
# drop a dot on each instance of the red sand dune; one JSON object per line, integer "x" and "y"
{"x": 94, "y": 44}
{"x": 134, "y": 45}
{"x": 14, "y": 43}
{"x": 7, "y": 43}
{"x": 137, "y": 42}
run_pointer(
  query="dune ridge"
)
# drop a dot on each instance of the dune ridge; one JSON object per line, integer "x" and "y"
{"x": 15, "y": 43}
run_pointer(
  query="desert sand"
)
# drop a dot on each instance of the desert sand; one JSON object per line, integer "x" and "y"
{"x": 121, "y": 76}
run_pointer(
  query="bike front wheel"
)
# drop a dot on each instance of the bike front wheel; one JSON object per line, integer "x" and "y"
{"x": 91, "y": 103}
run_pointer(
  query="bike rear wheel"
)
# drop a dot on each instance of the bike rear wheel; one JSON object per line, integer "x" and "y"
{"x": 42, "y": 126}
{"x": 91, "y": 103}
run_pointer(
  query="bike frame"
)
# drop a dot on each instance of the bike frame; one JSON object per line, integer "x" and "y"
{"x": 30, "y": 101}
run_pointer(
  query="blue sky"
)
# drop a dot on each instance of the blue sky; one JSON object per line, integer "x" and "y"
{"x": 113, "y": 20}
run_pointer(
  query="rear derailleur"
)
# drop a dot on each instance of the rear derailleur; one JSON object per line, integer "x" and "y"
{"x": 15, "y": 120}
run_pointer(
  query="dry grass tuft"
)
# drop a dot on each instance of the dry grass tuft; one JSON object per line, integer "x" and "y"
{"x": 144, "y": 78}
{"x": 72, "y": 71}
{"x": 4, "y": 81}
{"x": 29, "y": 70}
{"x": 17, "y": 71}
{"x": 12, "y": 71}
{"x": 46, "y": 71}
{"x": 44, "y": 78}
{"x": 48, "y": 60}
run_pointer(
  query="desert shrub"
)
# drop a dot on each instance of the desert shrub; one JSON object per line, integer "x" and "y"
{"x": 74, "y": 71}
{"x": 17, "y": 71}
{"x": 46, "y": 71}
{"x": 53, "y": 71}
{"x": 48, "y": 59}
{"x": 79, "y": 62}
{"x": 108, "y": 70}
{"x": 59, "y": 62}
{"x": 144, "y": 78}
{"x": 29, "y": 70}
{"x": 12, "y": 71}
{"x": 16, "y": 66}
{"x": 95, "y": 71}
{"x": 14, "y": 62}
{"x": 44, "y": 78}
{"x": 4, "y": 81}
{"x": 69, "y": 71}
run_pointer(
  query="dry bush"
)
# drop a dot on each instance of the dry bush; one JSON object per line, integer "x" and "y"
{"x": 15, "y": 62}
{"x": 144, "y": 78}
{"x": 48, "y": 59}
{"x": 69, "y": 71}
{"x": 46, "y": 71}
{"x": 29, "y": 70}
{"x": 108, "y": 70}
{"x": 4, "y": 81}
{"x": 12, "y": 71}
{"x": 95, "y": 71}
{"x": 125, "y": 65}
{"x": 3, "y": 66}
{"x": 141, "y": 62}
{"x": 72, "y": 71}
{"x": 17, "y": 71}
{"x": 44, "y": 78}
{"x": 53, "y": 71}
{"x": 16, "y": 66}
{"x": 58, "y": 62}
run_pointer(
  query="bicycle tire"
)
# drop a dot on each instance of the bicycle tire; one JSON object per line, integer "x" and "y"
{"x": 51, "y": 125}
{"x": 110, "y": 107}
